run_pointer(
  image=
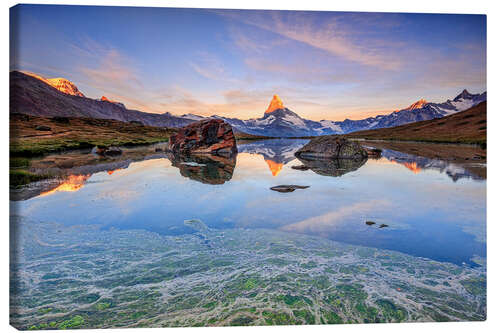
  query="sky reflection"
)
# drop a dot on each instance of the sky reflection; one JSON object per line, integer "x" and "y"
{"x": 428, "y": 214}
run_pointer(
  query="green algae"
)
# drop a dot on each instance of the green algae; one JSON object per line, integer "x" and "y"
{"x": 240, "y": 280}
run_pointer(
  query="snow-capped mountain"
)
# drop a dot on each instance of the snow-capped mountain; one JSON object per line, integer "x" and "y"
{"x": 279, "y": 121}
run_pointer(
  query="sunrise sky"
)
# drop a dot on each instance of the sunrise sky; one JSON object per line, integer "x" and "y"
{"x": 324, "y": 65}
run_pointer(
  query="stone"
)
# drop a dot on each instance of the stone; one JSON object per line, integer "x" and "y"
{"x": 43, "y": 128}
{"x": 332, "y": 147}
{"x": 287, "y": 188}
{"x": 208, "y": 136}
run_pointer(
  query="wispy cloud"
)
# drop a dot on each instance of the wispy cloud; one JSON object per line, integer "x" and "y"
{"x": 329, "y": 36}
{"x": 210, "y": 67}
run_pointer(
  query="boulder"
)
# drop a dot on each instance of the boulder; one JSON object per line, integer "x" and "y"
{"x": 208, "y": 136}
{"x": 332, "y": 147}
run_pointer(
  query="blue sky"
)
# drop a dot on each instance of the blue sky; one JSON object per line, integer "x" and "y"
{"x": 324, "y": 65}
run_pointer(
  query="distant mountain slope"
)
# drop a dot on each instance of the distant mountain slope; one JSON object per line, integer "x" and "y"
{"x": 466, "y": 127}
{"x": 279, "y": 121}
{"x": 35, "y": 96}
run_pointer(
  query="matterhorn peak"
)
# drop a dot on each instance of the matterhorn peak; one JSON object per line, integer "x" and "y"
{"x": 276, "y": 103}
{"x": 417, "y": 105}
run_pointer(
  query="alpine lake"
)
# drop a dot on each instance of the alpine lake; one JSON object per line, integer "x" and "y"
{"x": 147, "y": 239}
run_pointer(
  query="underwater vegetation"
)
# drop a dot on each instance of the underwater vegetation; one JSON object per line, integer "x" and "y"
{"x": 86, "y": 277}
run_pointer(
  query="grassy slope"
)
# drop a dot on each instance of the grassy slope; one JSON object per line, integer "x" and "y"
{"x": 463, "y": 127}
{"x": 25, "y": 140}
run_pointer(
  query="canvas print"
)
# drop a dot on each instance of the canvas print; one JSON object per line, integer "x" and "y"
{"x": 200, "y": 167}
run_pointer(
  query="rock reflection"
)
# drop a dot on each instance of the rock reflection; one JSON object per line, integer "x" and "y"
{"x": 206, "y": 169}
{"x": 333, "y": 167}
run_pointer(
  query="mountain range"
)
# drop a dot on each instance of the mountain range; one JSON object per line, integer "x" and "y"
{"x": 280, "y": 121}
{"x": 36, "y": 95}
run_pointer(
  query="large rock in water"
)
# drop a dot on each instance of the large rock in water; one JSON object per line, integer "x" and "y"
{"x": 208, "y": 136}
{"x": 332, "y": 147}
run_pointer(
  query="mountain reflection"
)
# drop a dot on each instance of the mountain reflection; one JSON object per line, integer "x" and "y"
{"x": 72, "y": 184}
{"x": 277, "y": 152}
{"x": 416, "y": 164}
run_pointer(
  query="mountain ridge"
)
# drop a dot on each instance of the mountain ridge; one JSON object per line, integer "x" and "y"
{"x": 282, "y": 122}
{"x": 33, "y": 96}
{"x": 36, "y": 95}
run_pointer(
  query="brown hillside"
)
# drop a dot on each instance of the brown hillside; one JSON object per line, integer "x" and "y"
{"x": 468, "y": 126}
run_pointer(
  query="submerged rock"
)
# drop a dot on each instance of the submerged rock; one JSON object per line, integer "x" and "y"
{"x": 208, "y": 136}
{"x": 196, "y": 224}
{"x": 288, "y": 188}
{"x": 332, "y": 147}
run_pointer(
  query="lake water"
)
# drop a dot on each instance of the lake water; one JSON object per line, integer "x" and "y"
{"x": 427, "y": 211}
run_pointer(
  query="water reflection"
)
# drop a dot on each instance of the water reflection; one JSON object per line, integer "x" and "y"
{"x": 206, "y": 169}
{"x": 334, "y": 168}
{"x": 416, "y": 164}
{"x": 277, "y": 152}
{"x": 428, "y": 212}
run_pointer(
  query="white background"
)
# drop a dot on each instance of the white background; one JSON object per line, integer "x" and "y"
{"x": 491, "y": 8}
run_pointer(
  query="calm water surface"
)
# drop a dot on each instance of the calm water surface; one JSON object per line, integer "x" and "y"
{"x": 434, "y": 209}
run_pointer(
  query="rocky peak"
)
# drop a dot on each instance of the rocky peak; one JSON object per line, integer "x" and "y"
{"x": 61, "y": 84}
{"x": 105, "y": 99}
{"x": 417, "y": 105}
{"x": 65, "y": 86}
{"x": 276, "y": 103}
{"x": 463, "y": 95}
